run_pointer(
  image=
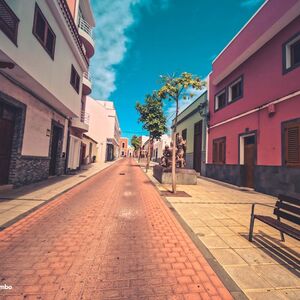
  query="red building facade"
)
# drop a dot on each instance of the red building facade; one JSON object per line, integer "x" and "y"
{"x": 254, "y": 101}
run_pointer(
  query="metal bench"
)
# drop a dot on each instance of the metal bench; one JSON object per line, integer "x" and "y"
{"x": 287, "y": 208}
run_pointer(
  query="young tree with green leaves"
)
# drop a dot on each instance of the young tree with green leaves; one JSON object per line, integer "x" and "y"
{"x": 136, "y": 143}
{"x": 153, "y": 119}
{"x": 173, "y": 89}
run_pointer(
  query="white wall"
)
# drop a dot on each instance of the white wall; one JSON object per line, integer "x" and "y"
{"x": 38, "y": 120}
{"x": 160, "y": 146}
{"x": 103, "y": 125}
{"x": 52, "y": 75}
{"x": 74, "y": 153}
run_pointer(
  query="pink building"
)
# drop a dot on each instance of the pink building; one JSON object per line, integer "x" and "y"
{"x": 254, "y": 100}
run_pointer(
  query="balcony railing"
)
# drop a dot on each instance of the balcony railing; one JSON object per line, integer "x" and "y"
{"x": 85, "y": 117}
{"x": 85, "y": 26}
{"x": 87, "y": 75}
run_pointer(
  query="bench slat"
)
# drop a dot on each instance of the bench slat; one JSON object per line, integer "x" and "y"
{"x": 291, "y": 231}
{"x": 287, "y": 216}
{"x": 288, "y": 207}
{"x": 289, "y": 199}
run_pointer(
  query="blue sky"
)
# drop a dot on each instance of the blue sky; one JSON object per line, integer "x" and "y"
{"x": 138, "y": 40}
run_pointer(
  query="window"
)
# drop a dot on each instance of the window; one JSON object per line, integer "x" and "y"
{"x": 292, "y": 144}
{"x": 9, "y": 22}
{"x": 219, "y": 151}
{"x": 220, "y": 100}
{"x": 123, "y": 145}
{"x": 184, "y": 134}
{"x": 43, "y": 32}
{"x": 235, "y": 90}
{"x": 75, "y": 79}
{"x": 291, "y": 53}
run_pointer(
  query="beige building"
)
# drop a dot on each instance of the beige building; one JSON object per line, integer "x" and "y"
{"x": 191, "y": 125}
{"x": 44, "y": 58}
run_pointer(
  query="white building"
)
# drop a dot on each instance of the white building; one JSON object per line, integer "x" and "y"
{"x": 42, "y": 86}
{"x": 104, "y": 128}
{"x": 159, "y": 146}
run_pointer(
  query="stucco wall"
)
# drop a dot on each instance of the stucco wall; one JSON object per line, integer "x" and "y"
{"x": 269, "y": 139}
{"x": 37, "y": 121}
{"x": 264, "y": 82}
{"x": 187, "y": 120}
{"x": 37, "y": 69}
{"x": 103, "y": 125}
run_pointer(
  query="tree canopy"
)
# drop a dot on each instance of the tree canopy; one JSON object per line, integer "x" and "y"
{"x": 135, "y": 142}
{"x": 152, "y": 116}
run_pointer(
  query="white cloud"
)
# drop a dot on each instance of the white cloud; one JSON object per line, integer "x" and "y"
{"x": 251, "y": 3}
{"x": 113, "y": 17}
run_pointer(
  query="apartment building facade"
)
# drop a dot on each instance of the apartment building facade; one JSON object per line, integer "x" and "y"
{"x": 191, "y": 125}
{"x": 104, "y": 128}
{"x": 159, "y": 147}
{"x": 254, "y": 100}
{"x": 123, "y": 147}
{"x": 84, "y": 22}
{"x": 42, "y": 62}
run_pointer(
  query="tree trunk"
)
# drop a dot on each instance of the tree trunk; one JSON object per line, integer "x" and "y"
{"x": 148, "y": 155}
{"x": 174, "y": 151}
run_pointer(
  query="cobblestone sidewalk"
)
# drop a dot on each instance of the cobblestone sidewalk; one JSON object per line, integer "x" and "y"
{"x": 219, "y": 218}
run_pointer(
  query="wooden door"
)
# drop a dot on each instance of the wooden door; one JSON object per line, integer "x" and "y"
{"x": 54, "y": 150}
{"x": 7, "y": 120}
{"x": 197, "y": 146}
{"x": 83, "y": 153}
{"x": 249, "y": 160}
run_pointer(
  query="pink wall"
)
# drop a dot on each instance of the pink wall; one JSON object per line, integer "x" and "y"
{"x": 268, "y": 133}
{"x": 264, "y": 19}
{"x": 264, "y": 82}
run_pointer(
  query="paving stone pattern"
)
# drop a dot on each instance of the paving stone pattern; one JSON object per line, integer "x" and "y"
{"x": 112, "y": 237}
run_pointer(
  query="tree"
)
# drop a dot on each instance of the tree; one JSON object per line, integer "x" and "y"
{"x": 153, "y": 119}
{"x": 136, "y": 143}
{"x": 173, "y": 89}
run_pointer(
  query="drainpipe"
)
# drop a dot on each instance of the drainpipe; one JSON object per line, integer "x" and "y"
{"x": 68, "y": 147}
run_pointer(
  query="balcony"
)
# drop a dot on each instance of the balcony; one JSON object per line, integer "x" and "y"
{"x": 86, "y": 84}
{"x": 82, "y": 123}
{"x": 86, "y": 35}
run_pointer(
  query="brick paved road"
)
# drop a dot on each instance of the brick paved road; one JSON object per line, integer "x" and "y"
{"x": 111, "y": 237}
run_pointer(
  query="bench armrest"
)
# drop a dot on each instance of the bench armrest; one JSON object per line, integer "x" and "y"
{"x": 261, "y": 204}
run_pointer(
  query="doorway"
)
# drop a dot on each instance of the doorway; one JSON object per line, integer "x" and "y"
{"x": 7, "y": 125}
{"x": 54, "y": 149}
{"x": 197, "y": 146}
{"x": 249, "y": 156}
{"x": 83, "y": 154}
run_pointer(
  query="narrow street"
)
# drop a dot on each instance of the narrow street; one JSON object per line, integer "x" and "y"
{"x": 111, "y": 237}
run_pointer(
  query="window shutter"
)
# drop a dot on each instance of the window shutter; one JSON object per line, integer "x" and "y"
{"x": 219, "y": 150}
{"x": 8, "y": 22}
{"x": 215, "y": 151}
{"x": 292, "y": 145}
{"x": 222, "y": 152}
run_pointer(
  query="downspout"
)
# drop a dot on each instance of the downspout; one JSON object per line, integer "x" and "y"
{"x": 68, "y": 147}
